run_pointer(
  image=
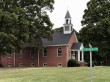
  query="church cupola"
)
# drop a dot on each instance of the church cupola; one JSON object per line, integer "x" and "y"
{"x": 68, "y": 26}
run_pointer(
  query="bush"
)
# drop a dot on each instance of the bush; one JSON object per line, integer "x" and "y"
{"x": 92, "y": 64}
{"x": 1, "y": 65}
{"x": 73, "y": 63}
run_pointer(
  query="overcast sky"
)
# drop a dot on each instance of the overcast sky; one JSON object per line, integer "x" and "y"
{"x": 76, "y": 9}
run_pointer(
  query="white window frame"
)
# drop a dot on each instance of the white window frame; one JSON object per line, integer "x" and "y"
{"x": 20, "y": 64}
{"x": 67, "y": 28}
{"x": 9, "y": 55}
{"x": 32, "y": 65}
{"x": 58, "y": 52}
{"x": 45, "y": 53}
{"x": 21, "y": 54}
{"x": 31, "y": 53}
{"x": 59, "y": 65}
{"x": 45, "y": 65}
{"x": 9, "y": 65}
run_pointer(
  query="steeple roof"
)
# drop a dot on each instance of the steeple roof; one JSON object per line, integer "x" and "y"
{"x": 67, "y": 15}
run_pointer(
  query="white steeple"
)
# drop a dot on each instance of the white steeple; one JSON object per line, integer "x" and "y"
{"x": 68, "y": 26}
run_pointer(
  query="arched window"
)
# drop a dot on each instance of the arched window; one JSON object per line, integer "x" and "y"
{"x": 67, "y": 21}
{"x": 71, "y": 28}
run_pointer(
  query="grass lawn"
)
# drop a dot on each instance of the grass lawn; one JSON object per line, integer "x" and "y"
{"x": 76, "y": 74}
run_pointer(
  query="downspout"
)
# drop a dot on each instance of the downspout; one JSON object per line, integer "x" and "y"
{"x": 14, "y": 59}
{"x": 38, "y": 57}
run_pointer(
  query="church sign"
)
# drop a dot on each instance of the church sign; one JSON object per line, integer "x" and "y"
{"x": 90, "y": 49}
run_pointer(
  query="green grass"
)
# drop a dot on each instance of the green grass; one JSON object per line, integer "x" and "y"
{"x": 76, "y": 74}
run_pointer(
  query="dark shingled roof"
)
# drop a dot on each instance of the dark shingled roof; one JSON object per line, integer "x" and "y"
{"x": 76, "y": 46}
{"x": 67, "y": 15}
{"x": 58, "y": 39}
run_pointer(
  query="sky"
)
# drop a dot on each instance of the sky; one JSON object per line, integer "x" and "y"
{"x": 76, "y": 9}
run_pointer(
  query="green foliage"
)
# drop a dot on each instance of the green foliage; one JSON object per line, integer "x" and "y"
{"x": 96, "y": 25}
{"x": 60, "y": 29}
{"x": 24, "y": 22}
{"x": 72, "y": 63}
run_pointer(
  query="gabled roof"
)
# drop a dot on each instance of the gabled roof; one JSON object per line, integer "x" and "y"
{"x": 67, "y": 15}
{"x": 76, "y": 46}
{"x": 58, "y": 39}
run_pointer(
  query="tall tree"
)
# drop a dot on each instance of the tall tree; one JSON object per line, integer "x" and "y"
{"x": 96, "y": 25}
{"x": 24, "y": 22}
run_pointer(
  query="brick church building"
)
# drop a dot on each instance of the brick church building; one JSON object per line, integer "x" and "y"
{"x": 57, "y": 52}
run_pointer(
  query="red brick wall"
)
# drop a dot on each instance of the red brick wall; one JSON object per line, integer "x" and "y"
{"x": 5, "y": 61}
{"x": 52, "y": 59}
{"x": 73, "y": 39}
{"x": 26, "y": 60}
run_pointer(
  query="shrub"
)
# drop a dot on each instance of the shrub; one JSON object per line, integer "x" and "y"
{"x": 73, "y": 63}
{"x": 1, "y": 65}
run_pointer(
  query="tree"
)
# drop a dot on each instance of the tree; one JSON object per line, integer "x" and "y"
{"x": 96, "y": 25}
{"x": 60, "y": 29}
{"x": 24, "y": 22}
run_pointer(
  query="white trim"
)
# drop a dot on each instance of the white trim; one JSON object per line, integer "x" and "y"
{"x": 21, "y": 54}
{"x": 57, "y": 52}
{"x": 9, "y": 65}
{"x": 81, "y": 47}
{"x": 59, "y": 64}
{"x": 32, "y": 64}
{"x": 44, "y": 65}
{"x": 75, "y": 50}
{"x": 57, "y": 45}
{"x": 20, "y": 64}
{"x": 82, "y": 56}
{"x": 79, "y": 55}
{"x": 43, "y": 53}
{"x": 9, "y": 55}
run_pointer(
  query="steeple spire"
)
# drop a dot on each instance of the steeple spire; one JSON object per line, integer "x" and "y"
{"x": 67, "y": 26}
{"x": 67, "y": 15}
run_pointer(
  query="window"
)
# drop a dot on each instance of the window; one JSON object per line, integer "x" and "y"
{"x": 45, "y": 64}
{"x": 9, "y": 55}
{"x": 32, "y": 53}
{"x": 20, "y": 64}
{"x": 32, "y": 64}
{"x": 59, "y": 65}
{"x": 59, "y": 52}
{"x": 71, "y": 28}
{"x": 9, "y": 65}
{"x": 21, "y": 54}
{"x": 66, "y": 28}
{"x": 45, "y": 52}
{"x": 67, "y": 21}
